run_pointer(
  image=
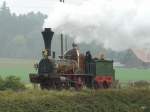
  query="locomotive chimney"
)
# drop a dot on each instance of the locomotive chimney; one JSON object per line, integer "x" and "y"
{"x": 47, "y": 37}
{"x": 62, "y": 46}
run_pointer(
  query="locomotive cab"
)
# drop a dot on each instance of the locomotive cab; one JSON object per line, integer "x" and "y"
{"x": 102, "y": 71}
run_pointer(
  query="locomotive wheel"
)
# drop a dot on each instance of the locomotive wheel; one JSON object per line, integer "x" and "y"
{"x": 105, "y": 85}
{"x": 44, "y": 86}
{"x": 51, "y": 84}
{"x": 95, "y": 84}
{"x": 58, "y": 85}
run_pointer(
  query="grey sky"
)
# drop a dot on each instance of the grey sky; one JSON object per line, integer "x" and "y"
{"x": 117, "y": 24}
{"x": 24, "y": 6}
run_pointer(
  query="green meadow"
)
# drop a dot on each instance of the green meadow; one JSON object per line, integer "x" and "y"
{"x": 22, "y": 67}
{"x": 134, "y": 74}
{"x": 17, "y": 67}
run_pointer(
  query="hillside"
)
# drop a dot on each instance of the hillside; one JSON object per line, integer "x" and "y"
{"x": 71, "y": 101}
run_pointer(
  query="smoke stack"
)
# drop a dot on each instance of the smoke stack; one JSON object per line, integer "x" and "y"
{"x": 62, "y": 46}
{"x": 54, "y": 55}
{"x": 66, "y": 47}
{"x": 47, "y": 37}
{"x": 62, "y": 1}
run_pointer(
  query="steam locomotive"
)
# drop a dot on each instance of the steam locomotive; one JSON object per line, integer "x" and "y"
{"x": 72, "y": 70}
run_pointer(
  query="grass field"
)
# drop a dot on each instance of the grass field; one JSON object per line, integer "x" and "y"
{"x": 123, "y": 100}
{"x": 125, "y": 75}
{"x": 21, "y": 68}
{"x": 17, "y": 67}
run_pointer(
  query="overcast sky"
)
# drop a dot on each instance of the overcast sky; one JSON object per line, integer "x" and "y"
{"x": 117, "y": 24}
{"x": 24, "y": 6}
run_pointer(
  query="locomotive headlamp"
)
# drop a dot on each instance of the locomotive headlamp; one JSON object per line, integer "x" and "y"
{"x": 46, "y": 52}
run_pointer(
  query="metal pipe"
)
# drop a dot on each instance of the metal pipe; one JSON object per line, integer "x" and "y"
{"x": 62, "y": 1}
{"x": 66, "y": 47}
{"x": 62, "y": 46}
{"x": 54, "y": 55}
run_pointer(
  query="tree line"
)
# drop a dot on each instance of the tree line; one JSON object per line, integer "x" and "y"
{"x": 19, "y": 34}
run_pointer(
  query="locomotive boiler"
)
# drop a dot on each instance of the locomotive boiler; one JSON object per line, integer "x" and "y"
{"x": 72, "y": 69}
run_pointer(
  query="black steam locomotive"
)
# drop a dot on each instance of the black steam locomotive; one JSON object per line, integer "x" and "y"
{"x": 72, "y": 69}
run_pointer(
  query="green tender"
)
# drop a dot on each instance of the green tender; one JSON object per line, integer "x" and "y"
{"x": 104, "y": 67}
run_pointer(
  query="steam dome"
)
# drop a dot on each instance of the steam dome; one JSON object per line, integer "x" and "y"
{"x": 73, "y": 53}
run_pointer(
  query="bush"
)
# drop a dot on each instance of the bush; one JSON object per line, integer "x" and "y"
{"x": 11, "y": 83}
{"x": 141, "y": 83}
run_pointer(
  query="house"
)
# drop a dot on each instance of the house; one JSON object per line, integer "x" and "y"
{"x": 138, "y": 58}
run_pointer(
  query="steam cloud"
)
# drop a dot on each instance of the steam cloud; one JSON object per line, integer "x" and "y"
{"x": 117, "y": 24}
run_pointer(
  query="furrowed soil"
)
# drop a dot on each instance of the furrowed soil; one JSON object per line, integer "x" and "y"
{"x": 123, "y": 100}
